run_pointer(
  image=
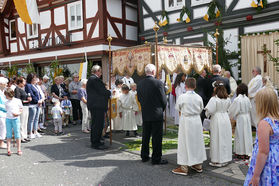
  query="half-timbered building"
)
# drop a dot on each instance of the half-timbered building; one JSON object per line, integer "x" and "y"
{"x": 69, "y": 31}
{"x": 237, "y": 18}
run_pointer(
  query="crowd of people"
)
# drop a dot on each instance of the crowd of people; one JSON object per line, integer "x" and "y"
{"x": 215, "y": 100}
{"x": 253, "y": 105}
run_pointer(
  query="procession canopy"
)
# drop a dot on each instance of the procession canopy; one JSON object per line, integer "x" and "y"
{"x": 170, "y": 58}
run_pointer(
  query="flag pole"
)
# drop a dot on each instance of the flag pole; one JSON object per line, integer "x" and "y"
{"x": 110, "y": 132}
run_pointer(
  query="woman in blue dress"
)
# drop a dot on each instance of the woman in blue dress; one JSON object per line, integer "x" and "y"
{"x": 264, "y": 166}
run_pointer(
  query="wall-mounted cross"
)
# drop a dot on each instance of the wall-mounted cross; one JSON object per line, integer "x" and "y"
{"x": 264, "y": 53}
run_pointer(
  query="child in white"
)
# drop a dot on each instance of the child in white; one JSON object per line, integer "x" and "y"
{"x": 191, "y": 148}
{"x": 14, "y": 108}
{"x": 116, "y": 93}
{"x": 139, "y": 114}
{"x": 128, "y": 107}
{"x": 220, "y": 126}
{"x": 57, "y": 113}
{"x": 240, "y": 110}
{"x": 66, "y": 106}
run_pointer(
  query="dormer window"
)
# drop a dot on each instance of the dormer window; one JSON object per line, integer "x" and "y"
{"x": 32, "y": 31}
{"x": 75, "y": 20}
{"x": 12, "y": 30}
{"x": 174, "y": 4}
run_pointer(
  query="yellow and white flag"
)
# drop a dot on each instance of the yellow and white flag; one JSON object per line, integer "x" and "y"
{"x": 83, "y": 70}
{"x": 254, "y": 4}
{"x": 261, "y": 3}
{"x": 28, "y": 11}
{"x": 186, "y": 18}
{"x": 163, "y": 21}
{"x": 217, "y": 12}
{"x": 206, "y": 17}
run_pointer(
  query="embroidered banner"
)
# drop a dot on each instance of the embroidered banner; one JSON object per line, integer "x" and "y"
{"x": 131, "y": 59}
{"x": 173, "y": 57}
{"x": 170, "y": 58}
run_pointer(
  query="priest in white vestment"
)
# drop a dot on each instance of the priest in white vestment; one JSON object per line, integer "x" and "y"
{"x": 233, "y": 83}
{"x": 191, "y": 147}
{"x": 128, "y": 108}
{"x": 127, "y": 80}
{"x": 240, "y": 111}
{"x": 253, "y": 87}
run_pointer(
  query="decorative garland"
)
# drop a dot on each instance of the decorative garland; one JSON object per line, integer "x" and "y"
{"x": 184, "y": 15}
{"x": 164, "y": 21}
{"x": 259, "y": 4}
{"x": 213, "y": 11}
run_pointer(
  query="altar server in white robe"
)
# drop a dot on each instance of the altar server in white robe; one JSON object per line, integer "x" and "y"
{"x": 191, "y": 148}
{"x": 220, "y": 126}
{"x": 179, "y": 86}
{"x": 139, "y": 114}
{"x": 253, "y": 87}
{"x": 128, "y": 109}
{"x": 240, "y": 111}
{"x": 116, "y": 93}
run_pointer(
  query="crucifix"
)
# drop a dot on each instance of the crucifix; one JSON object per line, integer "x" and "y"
{"x": 264, "y": 53}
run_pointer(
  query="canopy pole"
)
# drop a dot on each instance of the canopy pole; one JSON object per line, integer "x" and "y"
{"x": 156, "y": 28}
{"x": 217, "y": 35}
{"x": 110, "y": 132}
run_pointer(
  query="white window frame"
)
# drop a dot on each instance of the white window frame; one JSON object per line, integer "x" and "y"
{"x": 28, "y": 31}
{"x": 175, "y": 7}
{"x": 10, "y": 29}
{"x": 69, "y": 15}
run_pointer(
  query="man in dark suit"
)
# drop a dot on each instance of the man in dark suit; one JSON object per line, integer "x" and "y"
{"x": 202, "y": 90}
{"x": 97, "y": 103}
{"x": 152, "y": 97}
{"x": 216, "y": 70}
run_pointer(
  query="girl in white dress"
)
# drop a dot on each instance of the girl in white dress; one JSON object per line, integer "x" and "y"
{"x": 179, "y": 86}
{"x": 128, "y": 108}
{"x": 240, "y": 111}
{"x": 220, "y": 126}
{"x": 133, "y": 90}
{"x": 191, "y": 148}
{"x": 116, "y": 93}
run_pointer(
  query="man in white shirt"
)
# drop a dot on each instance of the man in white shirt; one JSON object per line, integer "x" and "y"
{"x": 253, "y": 87}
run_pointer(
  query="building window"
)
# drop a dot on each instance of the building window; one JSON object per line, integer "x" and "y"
{"x": 75, "y": 15}
{"x": 173, "y": 4}
{"x": 12, "y": 30}
{"x": 32, "y": 31}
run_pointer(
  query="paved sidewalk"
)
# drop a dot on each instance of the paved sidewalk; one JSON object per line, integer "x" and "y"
{"x": 235, "y": 171}
{"x": 69, "y": 160}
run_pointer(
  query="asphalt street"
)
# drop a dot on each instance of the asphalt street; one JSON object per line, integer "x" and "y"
{"x": 69, "y": 160}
